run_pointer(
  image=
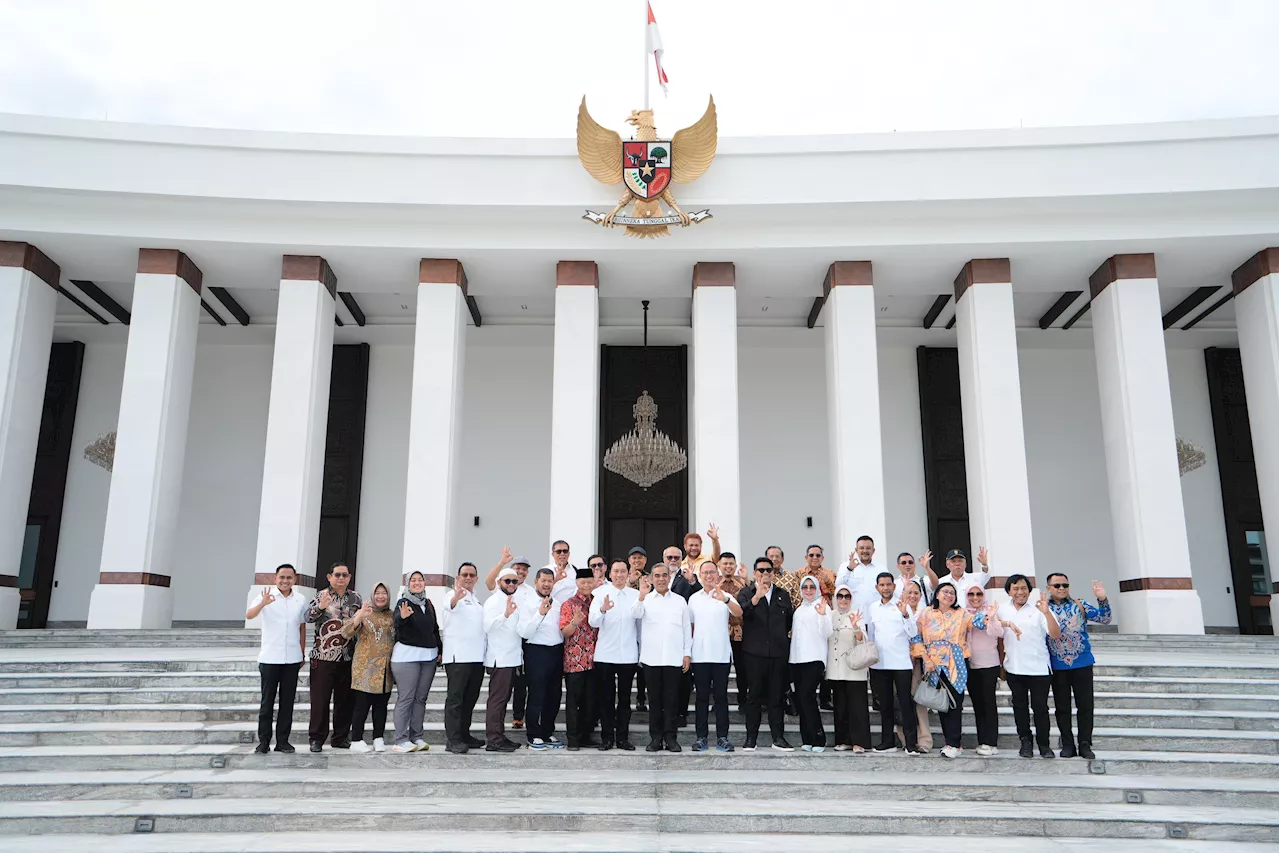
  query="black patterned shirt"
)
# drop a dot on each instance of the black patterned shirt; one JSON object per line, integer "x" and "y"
{"x": 329, "y": 643}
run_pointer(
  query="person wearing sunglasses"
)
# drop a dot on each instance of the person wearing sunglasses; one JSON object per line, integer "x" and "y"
{"x": 847, "y": 672}
{"x": 503, "y": 656}
{"x": 330, "y": 664}
{"x": 766, "y": 645}
{"x": 565, "y": 585}
{"x": 1071, "y": 660}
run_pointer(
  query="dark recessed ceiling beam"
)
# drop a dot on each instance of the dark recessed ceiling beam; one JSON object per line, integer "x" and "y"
{"x": 352, "y": 306}
{"x": 1189, "y": 304}
{"x": 229, "y": 302}
{"x": 1055, "y": 310}
{"x": 936, "y": 309}
{"x": 337, "y": 321}
{"x": 85, "y": 308}
{"x": 474, "y": 308}
{"x": 1214, "y": 307}
{"x": 952, "y": 321}
{"x": 818, "y": 302}
{"x": 212, "y": 313}
{"x": 1075, "y": 317}
{"x": 91, "y": 290}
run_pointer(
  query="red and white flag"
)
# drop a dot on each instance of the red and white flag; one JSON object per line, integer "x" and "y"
{"x": 653, "y": 42}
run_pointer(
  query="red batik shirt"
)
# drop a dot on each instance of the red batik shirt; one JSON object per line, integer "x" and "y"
{"x": 580, "y": 646}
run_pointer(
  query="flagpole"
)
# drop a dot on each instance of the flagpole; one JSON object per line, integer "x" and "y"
{"x": 646, "y": 54}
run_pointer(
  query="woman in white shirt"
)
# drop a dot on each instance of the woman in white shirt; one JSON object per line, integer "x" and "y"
{"x": 810, "y": 628}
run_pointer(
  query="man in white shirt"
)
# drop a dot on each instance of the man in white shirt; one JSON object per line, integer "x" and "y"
{"x": 666, "y": 643}
{"x": 543, "y": 662}
{"x": 860, "y": 574}
{"x": 1027, "y": 629}
{"x": 565, "y": 584}
{"x": 502, "y": 657}
{"x": 463, "y": 641}
{"x": 890, "y": 627}
{"x": 614, "y": 610}
{"x": 284, "y": 636}
{"x": 958, "y": 577}
{"x": 709, "y": 611}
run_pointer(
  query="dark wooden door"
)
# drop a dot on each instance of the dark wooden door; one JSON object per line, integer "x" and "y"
{"x": 343, "y": 460}
{"x": 656, "y": 517}
{"x": 942, "y": 430}
{"x": 1251, "y": 581}
{"x": 49, "y": 483}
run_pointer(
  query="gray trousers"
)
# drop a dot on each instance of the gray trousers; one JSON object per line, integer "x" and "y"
{"x": 413, "y": 683}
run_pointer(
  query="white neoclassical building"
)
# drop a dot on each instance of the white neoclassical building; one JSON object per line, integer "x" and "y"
{"x": 406, "y": 353}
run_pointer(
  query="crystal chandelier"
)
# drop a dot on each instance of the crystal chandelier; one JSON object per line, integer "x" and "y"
{"x": 645, "y": 455}
{"x": 102, "y": 451}
{"x": 1190, "y": 457}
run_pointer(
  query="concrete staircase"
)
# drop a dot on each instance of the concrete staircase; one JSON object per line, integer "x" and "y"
{"x": 141, "y": 741}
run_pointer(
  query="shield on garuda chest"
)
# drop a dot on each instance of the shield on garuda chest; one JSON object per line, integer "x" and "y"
{"x": 646, "y": 167}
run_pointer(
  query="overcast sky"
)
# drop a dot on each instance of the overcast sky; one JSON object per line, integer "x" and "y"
{"x": 517, "y": 68}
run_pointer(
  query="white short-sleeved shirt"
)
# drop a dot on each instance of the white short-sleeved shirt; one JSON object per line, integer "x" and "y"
{"x": 666, "y": 637}
{"x": 1028, "y": 654}
{"x": 891, "y": 632}
{"x": 962, "y": 584}
{"x": 462, "y": 630}
{"x": 710, "y": 620}
{"x": 281, "y": 620}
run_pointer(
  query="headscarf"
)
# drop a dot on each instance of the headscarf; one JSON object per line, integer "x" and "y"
{"x": 420, "y": 599}
{"x": 817, "y": 590}
{"x": 374, "y": 593}
{"x": 844, "y": 610}
{"x": 982, "y": 605}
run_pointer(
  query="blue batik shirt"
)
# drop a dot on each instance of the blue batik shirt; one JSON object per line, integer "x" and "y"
{"x": 1071, "y": 650}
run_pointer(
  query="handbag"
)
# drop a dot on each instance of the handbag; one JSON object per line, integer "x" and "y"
{"x": 863, "y": 655}
{"x": 933, "y": 698}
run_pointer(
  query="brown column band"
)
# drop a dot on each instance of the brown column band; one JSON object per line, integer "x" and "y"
{"x": 309, "y": 268}
{"x": 577, "y": 274}
{"x": 714, "y": 274}
{"x": 170, "y": 262}
{"x": 269, "y": 579}
{"x": 982, "y": 271}
{"x": 1120, "y": 267}
{"x": 1139, "y": 584}
{"x": 133, "y": 579}
{"x": 1262, "y": 264}
{"x": 8, "y": 581}
{"x": 30, "y": 259}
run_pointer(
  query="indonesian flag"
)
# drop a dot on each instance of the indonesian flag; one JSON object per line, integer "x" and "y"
{"x": 653, "y": 42}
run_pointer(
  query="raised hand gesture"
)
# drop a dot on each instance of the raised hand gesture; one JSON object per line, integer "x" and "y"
{"x": 458, "y": 594}
{"x": 853, "y": 558}
{"x": 902, "y": 608}
{"x": 645, "y": 585}
{"x": 718, "y": 594}
{"x": 506, "y": 554}
{"x": 606, "y": 605}
{"x": 366, "y": 608}
{"x": 855, "y": 617}
{"x": 1042, "y": 604}
{"x": 511, "y": 606}
{"x": 713, "y": 532}
{"x": 1099, "y": 592}
{"x": 924, "y": 560}
{"x": 267, "y": 597}
{"x": 821, "y": 606}
{"x": 406, "y": 610}
{"x": 545, "y": 607}
{"x": 324, "y": 600}
{"x": 982, "y": 556}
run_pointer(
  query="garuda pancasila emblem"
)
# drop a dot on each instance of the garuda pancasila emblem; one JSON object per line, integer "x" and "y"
{"x": 647, "y": 166}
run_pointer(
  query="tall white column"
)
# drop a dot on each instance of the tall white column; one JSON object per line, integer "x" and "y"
{"x": 28, "y": 297}
{"x": 575, "y": 404}
{"x": 151, "y": 437}
{"x": 995, "y": 451}
{"x": 853, "y": 406}
{"x": 1257, "y": 296}
{"x": 435, "y": 418}
{"x": 297, "y": 417}
{"x": 1156, "y": 593}
{"x": 715, "y": 458}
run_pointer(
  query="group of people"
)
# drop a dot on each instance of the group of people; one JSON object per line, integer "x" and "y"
{"x": 799, "y": 642}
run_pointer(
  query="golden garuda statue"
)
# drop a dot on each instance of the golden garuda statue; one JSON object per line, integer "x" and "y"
{"x": 646, "y": 165}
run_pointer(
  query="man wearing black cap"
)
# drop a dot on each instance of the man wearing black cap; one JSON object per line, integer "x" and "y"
{"x": 959, "y": 578}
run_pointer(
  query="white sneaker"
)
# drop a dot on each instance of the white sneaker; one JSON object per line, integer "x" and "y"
{"x": 359, "y": 746}
{"x": 950, "y": 752}
{"x": 403, "y": 747}
{"x": 982, "y": 750}
{"x": 421, "y": 745}
{"x": 379, "y": 745}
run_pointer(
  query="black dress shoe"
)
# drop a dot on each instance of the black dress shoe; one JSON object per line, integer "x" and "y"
{"x": 826, "y": 705}
{"x": 341, "y": 743}
{"x": 792, "y": 711}
{"x": 457, "y": 748}
{"x": 626, "y": 746}
{"x": 573, "y": 747}
{"x": 1046, "y": 751}
{"x": 654, "y": 746}
{"x": 782, "y": 745}
{"x": 473, "y": 742}
{"x": 1025, "y": 751}
{"x": 1068, "y": 750}
{"x": 286, "y": 748}
{"x": 1086, "y": 751}
{"x": 605, "y": 745}
{"x": 641, "y": 706}
{"x": 672, "y": 746}
{"x": 261, "y": 749}
{"x": 316, "y": 746}
{"x": 590, "y": 741}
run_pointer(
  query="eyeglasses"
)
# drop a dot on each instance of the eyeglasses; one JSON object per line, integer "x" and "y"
{"x": 1060, "y": 585}
{"x": 768, "y": 569}
{"x": 468, "y": 575}
{"x": 595, "y": 565}
{"x": 341, "y": 575}
{"x": 813, "y": 554}
{"x": 672, "y": 558}
{"x": 510, "y": 580}
{"x": 975, "y": 595}
{"x": 560, "y": 551}
{"x": 906, "y": 562}
{"x": 843, "y": 595}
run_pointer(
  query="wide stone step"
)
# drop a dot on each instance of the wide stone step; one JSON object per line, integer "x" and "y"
{"x": 881, "y": 815}
{"x": 49, "y": 734}
{"x": 1238, "y": 720}
{"x": 409, "y": 780}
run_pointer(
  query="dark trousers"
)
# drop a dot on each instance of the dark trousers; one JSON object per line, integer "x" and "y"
{"x": 362, "y": 703}
{"x": 740, "y": 674}
{"x": 520, "y": 687}
{"x": 853, "y": 722}
{"x": 613, "y": 686}
{"x": 495, "y": 708}
{"x": 282, "y": 677}
{"x": 712, "y": 680}
{"x": 807, "y": 677}
{"x": 766, "y": 686}
{"x": 1036, "y": 689}
{"x": 1077, "y": 682}
{"x": 951, "y": 719}
{"x": 460, "y": 699}
{"x": 686, "y": 691}
{"x": 664, "y": 691}
{"x": 578, "y": 704}
{"x": 544, "y": 666}
{"x": 330, "y": 680}
{"x": 885, "y": 683}
{"x": 982, "y": 692}
{"x": 640, "y": 684}
{"x": 824, "y": 692}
